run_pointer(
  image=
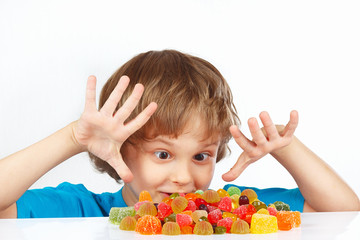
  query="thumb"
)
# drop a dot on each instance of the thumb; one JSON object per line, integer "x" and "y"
{"x": 241, "y": 164}
{"x": 121, "y": 168}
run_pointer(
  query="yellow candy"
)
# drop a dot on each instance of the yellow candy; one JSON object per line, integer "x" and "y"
{"x": 234, "y": 201}
{"x": 263, "y": 211}
{"x": 230, "y": 215}
{"x": 262, "y": 223}
{"x": 222, "y": 193}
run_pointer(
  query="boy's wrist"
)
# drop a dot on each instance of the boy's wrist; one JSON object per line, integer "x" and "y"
{"x": 77, "y": 146}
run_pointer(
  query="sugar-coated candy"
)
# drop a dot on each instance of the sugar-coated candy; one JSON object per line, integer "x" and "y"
{"x": 259, "y": 205}
{"x": 186, "y": 229}
{"x": 240, "y": 227}
{"x": 225, "y": 204}
{"x": 234, "y": 190}
{"x": 281, "y": 206}
{"x": 123, "y": 212}
{"x": 263, "y": 223}
{"x": 128, "y": 223}
{"x": 171, "y": 228}
{"x": 241, "y": 211}
{"x": 211, "y": 196}
{"x": 225, "y": 222}
{"x": 170, "y": 218}
{"x": 198, "y": 214}
{"x": 145, "y": 196}
{"x": 288, "y": 219}
{"x": 147, "y": 208}
{"x": 203, "y": 228}
{"x": 211, "y": 208}
{"x": 251, "y": 194}
{"x": 243, "y": 200}
{"x": 220, "y": 230}
{"x": 148, "y": 225}
{"x": 191, "y": 206}
{"x": 222, "y": 193}
{"x": 214, "y": 216}
{"x": 183, "y": 219}
{"x": 113, "y": 215}
{"x": 138, "y": 204}
{"x": 164, "y": 210}
{"x": 179, "y": 204}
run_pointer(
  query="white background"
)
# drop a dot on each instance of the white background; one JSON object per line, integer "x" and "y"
{"x": 276, "y": 55}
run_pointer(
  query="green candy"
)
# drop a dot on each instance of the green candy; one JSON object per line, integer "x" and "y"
{"x": 259, "y": 205}
{"x": 117, "y": 214}
{"x": 203, "y": 218}
{"x": 281, "y": 206}
{"x": 220, "y": 230}
{"x": 174, "y": 195}
{"x": 170, "y": 218}
{"x": 199, "y": 191}
{"x": 234, "y": 190}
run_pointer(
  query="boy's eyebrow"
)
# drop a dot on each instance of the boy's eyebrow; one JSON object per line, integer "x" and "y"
{"x": 163, "y": 141}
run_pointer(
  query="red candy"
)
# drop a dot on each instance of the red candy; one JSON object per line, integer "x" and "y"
{"x": 225, "y": 222}
{"x": 225, "y": 204}
{"x": 183, "y": 219}
{"x": 164, "y": 210}
{"x": 215, "y": 216}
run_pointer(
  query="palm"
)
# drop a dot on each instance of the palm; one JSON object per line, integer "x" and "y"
{"x": 102, "y": 132}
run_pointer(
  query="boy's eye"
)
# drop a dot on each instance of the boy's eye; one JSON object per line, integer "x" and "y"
{"x": 201, "y": 156}
{"x": 162, "y": 155}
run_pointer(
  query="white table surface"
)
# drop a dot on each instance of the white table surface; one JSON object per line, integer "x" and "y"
{"x": 334, "y": 225}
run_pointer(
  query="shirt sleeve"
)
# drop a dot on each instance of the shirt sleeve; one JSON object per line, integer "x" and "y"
{"x": 66, "y": 200}
{"x": 293, "y": 197}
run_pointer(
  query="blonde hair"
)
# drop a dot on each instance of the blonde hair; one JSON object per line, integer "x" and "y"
{"x": 182, "y": 85}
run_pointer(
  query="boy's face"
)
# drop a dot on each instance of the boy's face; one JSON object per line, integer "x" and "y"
{"x": 166, "y": 165}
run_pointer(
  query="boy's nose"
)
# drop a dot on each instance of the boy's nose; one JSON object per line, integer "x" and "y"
{"x": 181, "y": 173}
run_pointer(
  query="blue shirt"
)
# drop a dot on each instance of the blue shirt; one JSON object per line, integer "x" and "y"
{"x": 70, "y": 200}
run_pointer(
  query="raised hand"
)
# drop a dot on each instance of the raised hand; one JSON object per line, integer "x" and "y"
{"x": 266, "y": 140}
{"x": 103, "y": 132}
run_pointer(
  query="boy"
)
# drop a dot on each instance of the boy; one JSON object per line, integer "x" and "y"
{"x": 163, "y": 123}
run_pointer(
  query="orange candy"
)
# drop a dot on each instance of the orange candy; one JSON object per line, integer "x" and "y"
{"x": 288, "y": 219}
{"x": 186, "y": 230}
{"x": 145, "y": 196}
{"x": 222, "y": 193}
{"x": 148, "y": 225}
{"x": 191, "y": 196}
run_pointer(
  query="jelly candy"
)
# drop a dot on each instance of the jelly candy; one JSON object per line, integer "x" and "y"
{"x": 170, "y": 218}
{"x": 138, "y": 204}
{"x": 147, "y": 208}
{"x": 225, "y": 204}
{"x": 234, "y": 190}
{"x": 230, "y": 215}
{"x": 262, "y": 223}
{"x": 200, "y": 201}
{"x": 191, "y": 206}
{"x": 222, "y": 193}
{"x": 148, "y": 225}
{"x": 179, "y": 204}
{"x": 214, "y": 216}
{"x": 128, "y": 223}
{"x": 113, "y": 215}
{"x": 203, "y": 207}
{"x": 186, "y": 230}
{"x": 225, "y": 222}
{"x": 234, "y": 201}
{"x": 123, "y": 212}
{"x": 240, "y": 227}
{"x": 211, "y": 196}
{"x": 174, "y": 195}
{"x": 243, "y": 200}
{"x": 220, "y": 230}
{"x": 288, "y": 219}
{"x": 171, "y": 228}
{"x": 183, "y": 219}
{"x": 145, "y": 196}
{"x": 272, "y": 211}
{"x": 203, "y": 218}
{"x": 203, "y": 228}
{"x": 191, "y": 196}
{"x": 167, "y": 200}
{"x": 198, "y": 214}
{"x": 211, "y": 208}
{"x": 199, "y": 191}
{"x": 164, "y": 210}
{"x": 263, "y": 211}
{"x": 241, "y": 211}
{"x": 281, "y": 206}
{"x": 251, "y": 194}
{"x": 258, "y": 205}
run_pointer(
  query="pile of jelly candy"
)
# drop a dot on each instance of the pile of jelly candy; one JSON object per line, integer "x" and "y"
{"x": 205, "y": 213}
